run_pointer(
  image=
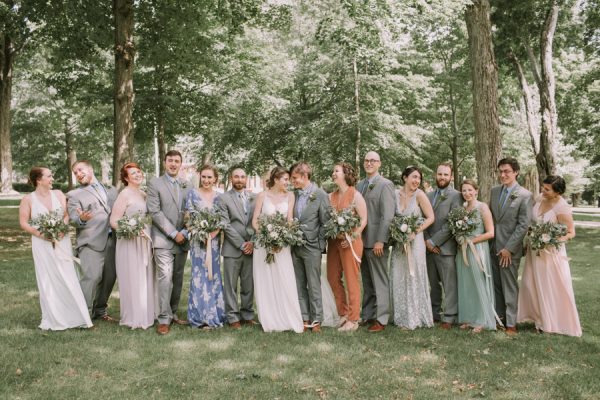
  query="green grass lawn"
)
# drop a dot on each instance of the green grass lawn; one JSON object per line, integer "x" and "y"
{"x": 114, "y": 362}
{"x": 586, "y": 217}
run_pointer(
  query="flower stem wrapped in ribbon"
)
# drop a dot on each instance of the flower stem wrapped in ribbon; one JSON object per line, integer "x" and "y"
{"x": 275, "y": 232}
{"x": 51, "y": 225}
{"x": 343, "y": 224}
{"x": 462, "y": 224}
{"x": 402, "y": 229}
{"x": 542, "y": 236}
{"x": 200, "y": 224}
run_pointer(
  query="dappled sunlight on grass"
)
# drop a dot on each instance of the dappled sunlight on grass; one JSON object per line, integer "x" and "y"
{"x": 220, "y": 343}
{"x": 233, "y": 365}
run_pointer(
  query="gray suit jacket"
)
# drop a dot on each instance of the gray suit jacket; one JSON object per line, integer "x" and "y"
{"x": 313, "y": 219}
{"x": 439, "y": 232}
{"x": 381, "y": 207}
{"x": 512, "y": 221}
{"x": 238, "y": 225}
{"x": 93, "y": 233}
{"x": 166, "y": 213}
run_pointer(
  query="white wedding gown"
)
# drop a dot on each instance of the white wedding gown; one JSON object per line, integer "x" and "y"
{"x": 61, "y": 299}
{"x": 275, "y": 289}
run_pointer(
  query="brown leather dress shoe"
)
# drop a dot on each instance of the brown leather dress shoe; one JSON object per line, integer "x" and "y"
{"x": 108, "y": 318}
{"x": 316, "y": 327}
{"x": 235, "y": 325}
{"x": 376, "y": 327}
{"x": 178, "y": 321}
{"x": 446, "y": 325}
{"x": 249, "y": 322}
{"x": 511, "y": 331}
{"x": 162, "y": 329}
{"x": 306, "y": 325}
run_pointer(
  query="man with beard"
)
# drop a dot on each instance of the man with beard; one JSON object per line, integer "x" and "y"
{"x": 441, "y": 249}
{"x": 89, "y": 208}
{"x": 237, "y": 207}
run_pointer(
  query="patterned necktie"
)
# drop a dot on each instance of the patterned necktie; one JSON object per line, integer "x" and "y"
{"x": 244, "y": 200}
{"x": 176, "y": 191}
{"x": 436, "y": 197}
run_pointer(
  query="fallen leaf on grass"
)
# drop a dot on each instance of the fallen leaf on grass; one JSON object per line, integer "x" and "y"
{"x": 18, "y": 372}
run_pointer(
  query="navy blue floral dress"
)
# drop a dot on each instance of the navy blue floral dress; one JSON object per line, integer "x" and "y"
{"x": 205, "y": 305}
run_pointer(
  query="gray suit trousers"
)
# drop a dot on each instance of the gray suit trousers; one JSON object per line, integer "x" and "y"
{"x": 169, "y": 274}
{"x": 376, "y": 286}
{"x": 441, "y": 270}
{"x": 307, "y": 268}
{"x": 99, "y": 276}
{"x": 506, "y": 289}
{"x": 235, "y": 268}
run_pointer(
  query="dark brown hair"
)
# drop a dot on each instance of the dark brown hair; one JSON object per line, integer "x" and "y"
{"x": 557, "y": 182}
{"x": 210, "y": 167}
{"x": 469, "y": 182}
{"x": 409, "y": 170}
{"x": 301, "y": 168}
{"x": 349, "y": 173}
{"x": 173, "y": 153}
{"x": 125, "y": 173}
{"x": 276, "y": 173}
{"x": 514, "y": 164}
{"x": 35, "y": 174}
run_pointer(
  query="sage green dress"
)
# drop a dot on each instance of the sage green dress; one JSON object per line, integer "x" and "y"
{"x": 476, "y": 287}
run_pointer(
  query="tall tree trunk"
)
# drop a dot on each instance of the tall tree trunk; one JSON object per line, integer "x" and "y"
{"x": 123, "y": 102}
{"x": 6, "y": 66}
{"x": 454, "y": 144}
{"x": 545, "y": 158}
{"x": 357, "y": 108}
{"x": 160, "y": 138}
{"x": 70, "y": 153}
{"x": 527, "y": 96}
{"x": 484, "y": 74}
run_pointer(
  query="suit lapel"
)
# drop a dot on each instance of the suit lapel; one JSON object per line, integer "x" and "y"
{"x": 238, "y": 204}
{"x": 169, "y": 186}
{"x": 508, "y": 201}
{"x": 93, "y": 192}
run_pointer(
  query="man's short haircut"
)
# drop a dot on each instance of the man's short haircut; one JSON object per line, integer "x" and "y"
{"x": 301, "y": 168}
{"x": 446, "y": 164}
{"x": 514, "y": 164}
{"x": 173, "y": 153}
{"x": 84, "y": 162}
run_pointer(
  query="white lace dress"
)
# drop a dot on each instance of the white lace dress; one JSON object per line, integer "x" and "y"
{"x": 275, "y": 289}
{"x": 61, "y": 299}
{"x": 410, "y": 294}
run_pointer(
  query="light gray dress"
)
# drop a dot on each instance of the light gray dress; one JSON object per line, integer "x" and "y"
{"x": 410, "y": 294}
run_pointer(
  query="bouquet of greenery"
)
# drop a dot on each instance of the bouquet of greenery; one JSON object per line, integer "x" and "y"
{"x": 130, "y": 227}
{"x": 51, "y": 225}
{"x": 274, "y": 233}
{"x": 542, "y": 235}
{"x": 462, "y": 223}
{"x": 402, "y": 226}
{"x": 342, "y": 222}
{"x": 200, "y": 223}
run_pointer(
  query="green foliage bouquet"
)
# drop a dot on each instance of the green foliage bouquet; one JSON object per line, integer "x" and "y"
{"x": 130, "y": 227}
{"x": 200, "y": 223}
{"x": 51, "y": 225}
{"x": 403, "y": 226}
{"x": 543, "y": 235}
{"x": 274, "y": 233}
{"x": 462, "y": 223}
{"x": 342, "y": 222}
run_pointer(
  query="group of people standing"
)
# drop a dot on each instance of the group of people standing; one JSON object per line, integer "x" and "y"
{"x": 425, "y": 283}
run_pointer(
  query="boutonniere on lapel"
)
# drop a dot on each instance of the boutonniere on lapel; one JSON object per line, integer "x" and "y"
{"x": 513, "y": 195}
{"x": 183, "y": 184}
{"x": 370, "y": 187}
{"x": 312, "y": 197}
{"x": 443, "y": 197}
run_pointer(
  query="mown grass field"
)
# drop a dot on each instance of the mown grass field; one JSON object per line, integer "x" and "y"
{"x": 112, "y": 362}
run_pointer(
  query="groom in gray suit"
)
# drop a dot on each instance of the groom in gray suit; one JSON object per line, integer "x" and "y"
{"x": 89, "y": 208}
{"x": 441, "y": 248}
{"x": 311, "y": 208}
{"x": 166, "y": 201}
{"x": 381, "y": 206}
{"x": 511, "y": 207}
{"x": 237, "y": 207}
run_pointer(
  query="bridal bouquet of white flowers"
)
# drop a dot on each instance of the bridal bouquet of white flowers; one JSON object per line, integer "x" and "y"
{"x": 462, "y": 223}
{"x": 275, "y": 232}
{"x": 403, "y": 226}
{"x": 51, "y": 225}
{"x": 543, "y": 235}
{"x": 132, "y": 226}
{"x": 342, "y": 222}
{"x": 200, "y": 223}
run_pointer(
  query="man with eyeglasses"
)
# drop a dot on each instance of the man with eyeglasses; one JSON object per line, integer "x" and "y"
{"x": 378, "y": 193}
{"x": 511, "y": 207}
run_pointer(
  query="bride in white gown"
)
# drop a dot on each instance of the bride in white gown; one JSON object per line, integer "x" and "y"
{"x": 61, "y": 299}
{"x": 275, "y": 289}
